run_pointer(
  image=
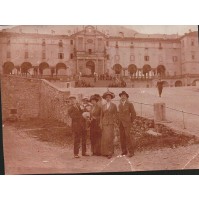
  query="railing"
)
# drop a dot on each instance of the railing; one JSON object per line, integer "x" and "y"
{"x": 178, "y": 118}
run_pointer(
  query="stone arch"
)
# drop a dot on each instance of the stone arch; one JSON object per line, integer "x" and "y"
{"x": 60, "y": 68}
{"x": 44, "y": 65}
{"x": 132, "y": 69}
{"x": 178, "y": 83}
{"x": 146, "y": 69}
{"x": 165, "y": 83}
{"x": 117, "y": 68}
{"x": 8, "y": 67}
{"x": 25, "y": 66}
{"x": 91, "y": 65}
{"x": 161, "y": 70}
{"x": 194, "y": 82}
{"x": 44, "y": 68}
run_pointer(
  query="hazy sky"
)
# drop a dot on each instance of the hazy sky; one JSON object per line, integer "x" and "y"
{"x": 163, "y": 29}
{"x": 157, "y": 29}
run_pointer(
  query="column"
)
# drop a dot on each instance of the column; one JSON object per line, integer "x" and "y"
{"x": 77, "y": 66}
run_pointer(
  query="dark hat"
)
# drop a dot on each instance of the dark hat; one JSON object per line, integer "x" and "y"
{"x": 98, "y": 96}
{"x": 124, "y": 93}
{"x": 108, "y": 93}
{"x": 94, "y": 97}
{"x": 72, "y": 96}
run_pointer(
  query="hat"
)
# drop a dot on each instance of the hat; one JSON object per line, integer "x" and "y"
{"x": 72, "y": 96}
{"x": 123, "y": 93}
{"x": 98, "y": 96}
{"x": 85, "y": 98}
{"x": 94, "y": 97}
{"x": 108, "y": 93}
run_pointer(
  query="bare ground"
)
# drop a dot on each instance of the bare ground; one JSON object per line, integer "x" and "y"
{"x": 45, "y": 147}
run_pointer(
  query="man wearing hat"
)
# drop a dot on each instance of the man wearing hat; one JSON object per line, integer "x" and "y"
{"x": 127, "y": 115}
{"x": 78, "y": 126}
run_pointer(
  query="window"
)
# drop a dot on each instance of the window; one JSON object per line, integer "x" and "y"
{"x": 160, "y": 45}
{"x": 132, "y": 57}
{"x": 175, "y": 58}
{"x": 146, "y": 58}
{"x": 89, "y": 51}
{"x": 71, "y": 42}
{"x": 116, "y": 44}
{"x": 26, "y": 55}
{"x": 108, "y": 56}
{"x": 26, "y": 42}
{"x": 131, "y": 46}
{"x": 107, "y": 43}
{"x": 60, "y": 55}
{"x": 8, "y": 42}
{"x": 60, "y": 43}
{"x": 8, "y": 55}
{"x": 43, "y": 55}
{"x": 193, "y": 57}
{"x": 192, "y": 43}
{"x": 100, "y": 44}
{"x": 43, "y": 42}
{"x": 80, "y": 43}
{"x": 71, "y": 56}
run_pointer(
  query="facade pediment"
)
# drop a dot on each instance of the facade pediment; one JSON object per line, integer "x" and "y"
{"x": 89, "y": 31}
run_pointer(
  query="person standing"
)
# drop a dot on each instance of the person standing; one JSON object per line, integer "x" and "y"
{"x": 126, "y": 115}
{"x": 108, "y": 121}
{"x": 86, "y": 106}
{"x": 95, "y": 130}
{"x": 160, "y": 87}
{"x": 78, "y": 126}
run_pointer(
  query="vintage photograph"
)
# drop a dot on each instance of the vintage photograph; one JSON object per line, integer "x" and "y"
{"x": 99, "y": 98}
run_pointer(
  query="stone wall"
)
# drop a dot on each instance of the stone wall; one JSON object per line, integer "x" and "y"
{"x": 52, "y": 102}
{"x": 22, "y": 94}
{"x": 33, "y": 98}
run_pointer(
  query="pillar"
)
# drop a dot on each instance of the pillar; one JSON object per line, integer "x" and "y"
{"x": 159, "y": 112}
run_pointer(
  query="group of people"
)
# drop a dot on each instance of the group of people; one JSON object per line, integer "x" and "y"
{"x": 101, "y": 119}
{"x": 82, "y": 83}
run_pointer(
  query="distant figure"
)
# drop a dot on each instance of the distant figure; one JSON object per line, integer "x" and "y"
{"x": 160, "y": 87}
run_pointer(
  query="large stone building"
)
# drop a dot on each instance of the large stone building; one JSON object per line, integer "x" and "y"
{"x": 101, "y": 49}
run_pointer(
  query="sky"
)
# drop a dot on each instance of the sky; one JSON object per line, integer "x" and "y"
{"x": 163, "y": 29}
{"x": 156, "y": 29}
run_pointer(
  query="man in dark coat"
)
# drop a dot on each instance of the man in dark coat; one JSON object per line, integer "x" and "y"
{"x": 126, "y": 115}
{"x": 160, "y": 87}
{"x": 78, "y": 126}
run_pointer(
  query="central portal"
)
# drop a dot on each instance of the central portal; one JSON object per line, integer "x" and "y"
{"x": 91, "y": 65}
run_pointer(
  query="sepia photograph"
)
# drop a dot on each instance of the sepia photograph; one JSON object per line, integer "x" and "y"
{"x": 99, "y": 98}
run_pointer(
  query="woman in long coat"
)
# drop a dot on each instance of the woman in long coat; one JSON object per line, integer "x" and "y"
{"x": 95, "y": 130}
{"x": 108, "y": 120}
